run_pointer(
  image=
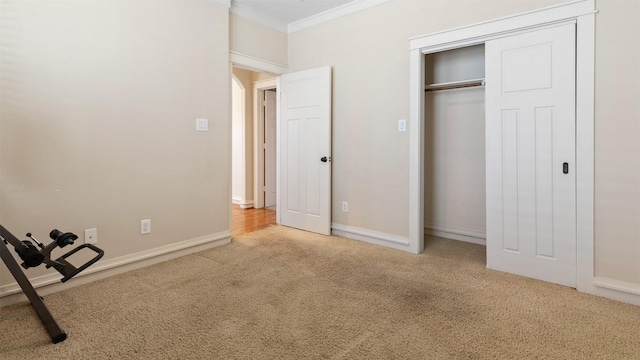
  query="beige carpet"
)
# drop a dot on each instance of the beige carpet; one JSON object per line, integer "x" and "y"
{"x": 287, "y": 294}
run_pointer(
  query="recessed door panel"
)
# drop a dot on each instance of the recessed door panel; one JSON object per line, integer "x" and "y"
{"x": 530, "y": 133}
{"x": 537, "y": 60}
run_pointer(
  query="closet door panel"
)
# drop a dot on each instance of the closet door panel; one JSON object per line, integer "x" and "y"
{"x": 530, "y": 135}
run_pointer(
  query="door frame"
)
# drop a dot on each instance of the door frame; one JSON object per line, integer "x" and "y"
{"x": 243, "y": 200}
{"x": 259, "y": 87}
{"x": 583, "y": 13}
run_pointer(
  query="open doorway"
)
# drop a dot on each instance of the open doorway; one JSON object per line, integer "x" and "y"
{"x": 250, "y": 157}
{"x": 454, "y": 141}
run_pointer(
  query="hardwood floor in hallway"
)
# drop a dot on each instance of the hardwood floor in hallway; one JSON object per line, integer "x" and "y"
{"x": 248, "y": 220}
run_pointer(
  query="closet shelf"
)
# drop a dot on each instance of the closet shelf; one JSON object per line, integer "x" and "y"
{"x": 454, "y": 85}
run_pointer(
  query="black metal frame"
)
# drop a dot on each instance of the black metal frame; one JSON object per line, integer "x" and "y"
{"x": 44, "y": 255}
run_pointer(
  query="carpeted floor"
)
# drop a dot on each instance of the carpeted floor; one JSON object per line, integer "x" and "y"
{"x": 286, "y": 294}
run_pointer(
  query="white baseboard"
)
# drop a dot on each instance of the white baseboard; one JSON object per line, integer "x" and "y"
{"x": 456, "y": 236}
{"x": 370, "y": 236}
{"x": 245, "y": 204}
{"x": 616, "y": 290}
{"x": 48, "y": 284}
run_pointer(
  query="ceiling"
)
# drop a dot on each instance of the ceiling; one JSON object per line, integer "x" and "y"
{"x": 284, "y": 12}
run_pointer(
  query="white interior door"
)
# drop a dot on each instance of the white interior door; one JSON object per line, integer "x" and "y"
{"x": 270, "y": 148}
{"x": 305, "y": 150}
{"x": 530, "y": 142}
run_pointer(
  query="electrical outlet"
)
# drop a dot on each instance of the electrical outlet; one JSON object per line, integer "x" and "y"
{"x": 345, "y": 206}
{"x": 91, "y": 236}
{"x": 145, "y": 226}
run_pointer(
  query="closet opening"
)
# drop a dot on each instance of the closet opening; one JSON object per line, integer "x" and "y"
{"x": 539, "y": 114}
{"x": 454, "y": 145}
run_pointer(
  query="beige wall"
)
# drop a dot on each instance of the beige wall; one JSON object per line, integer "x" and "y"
{"x": 369, "y": 54}
{"x": 253, "y": 39}
{"x": 99, "y": 101}
{"x": 617, "y": 140}
{"x": 97, "y": 129}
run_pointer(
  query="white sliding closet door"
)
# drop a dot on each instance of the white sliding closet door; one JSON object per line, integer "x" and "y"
{"x": 530, "y": 142}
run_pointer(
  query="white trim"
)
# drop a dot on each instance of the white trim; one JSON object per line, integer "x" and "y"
{"x": 370, "y": 236}
{"x": 259, "y": 88}
{"x": 455, "y": 236}
{"x": 618, "y": 285}
{"x": 332, "y": 14}
{"x": 244, "y": 204}
{"x": 583, "y": 12}
{"x": 12, "y": 293}
{"x": 494, "y": 36}
{"x": 621, "y": 286}
{"x": 481, "y": 32}
{"x": 456, "y": 230}
{"x": 278, "y": 118}
{"x": 250, "y": 14}
{"x": 313, "y": 20}
{"x": 239, "y": 140}
{"x": 416, "y": 151}
{"x": 265, "y": 84}
{"x": 256, "y": 64}
{"x": 617, "y": 290}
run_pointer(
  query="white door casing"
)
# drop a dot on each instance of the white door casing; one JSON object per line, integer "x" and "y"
{"x": 304, "y": 127}
{"x": 259, "y": 88}
{"x": 530, "y": 154}
{"x": 270, "y": 148}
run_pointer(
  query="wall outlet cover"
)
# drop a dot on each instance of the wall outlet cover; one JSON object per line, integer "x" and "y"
{"x": 91, "y": 236}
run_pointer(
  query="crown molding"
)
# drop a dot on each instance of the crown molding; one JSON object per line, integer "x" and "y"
{"x": 332, "y": 14}
{"x": 254, "y": 16}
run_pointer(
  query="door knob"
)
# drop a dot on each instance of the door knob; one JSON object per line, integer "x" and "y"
{"x": 324, "y": 159}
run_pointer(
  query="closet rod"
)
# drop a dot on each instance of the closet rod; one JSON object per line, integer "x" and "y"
{"x": 454, "y": 85}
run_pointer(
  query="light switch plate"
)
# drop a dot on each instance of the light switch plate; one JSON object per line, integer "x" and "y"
{"x": 402, "y": 125}
{"x": 145, "y": 226}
